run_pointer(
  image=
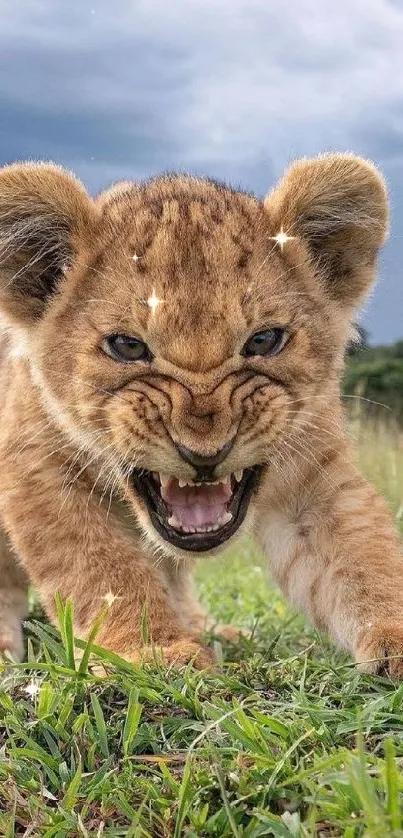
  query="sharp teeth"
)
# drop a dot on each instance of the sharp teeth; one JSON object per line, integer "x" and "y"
{"x": 225, "y": 480}
{"x": 238, "y": 475}
{"x": 210, "y": 528}
{"x": 173, "y": 522}
{"x": 182, "y": 482}
{"x": 225, "y": 519}
{"x": 164, "y": 479}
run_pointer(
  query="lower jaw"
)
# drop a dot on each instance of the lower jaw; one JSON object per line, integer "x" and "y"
{"x": 205, "y": 541}
{"x": 194, "y": 542}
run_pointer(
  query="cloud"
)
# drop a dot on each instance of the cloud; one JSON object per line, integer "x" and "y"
{"x": 227, "y": 79}
{"x": 232, "y": 88}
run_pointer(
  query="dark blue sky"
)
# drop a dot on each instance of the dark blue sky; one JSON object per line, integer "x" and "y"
{"x": 230, "y": 88}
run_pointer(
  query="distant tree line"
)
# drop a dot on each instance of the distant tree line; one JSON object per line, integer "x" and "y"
{"x": 375, "y": 373}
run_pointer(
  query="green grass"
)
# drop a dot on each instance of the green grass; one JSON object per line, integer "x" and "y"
{"x": 287, "y": 739}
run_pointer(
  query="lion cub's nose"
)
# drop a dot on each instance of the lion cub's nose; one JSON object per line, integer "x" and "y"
{"x": 204, "y": 465}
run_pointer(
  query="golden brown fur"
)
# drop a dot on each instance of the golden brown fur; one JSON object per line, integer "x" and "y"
{"x": 73, "y": 420}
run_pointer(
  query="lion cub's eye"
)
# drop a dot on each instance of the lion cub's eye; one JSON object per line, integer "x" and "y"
{"x": 126, "y": 349}
{"x": 268, "y": 342}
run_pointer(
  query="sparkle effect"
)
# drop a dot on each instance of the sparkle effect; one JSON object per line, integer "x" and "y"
{"x": 153, "y": 302}
{"x": 110, "y": 598}
{"x": 135, "y": 257}
{"x": 32, "y": 689}
{"x": 281, "y": 238}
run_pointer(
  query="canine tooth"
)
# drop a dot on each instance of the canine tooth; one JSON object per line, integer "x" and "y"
{"x": 238, "y": 475}
{"x": 226, "y": 518}
{"x": 182, "y": 482}
{"x": 173, "y": 521}
{"x": 164, "y": 479}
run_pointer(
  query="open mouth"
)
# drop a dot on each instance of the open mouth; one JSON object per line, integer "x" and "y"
{"x": 196, "y": 516}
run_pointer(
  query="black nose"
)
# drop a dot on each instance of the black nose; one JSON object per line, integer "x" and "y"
{"x": 204, "y": 465}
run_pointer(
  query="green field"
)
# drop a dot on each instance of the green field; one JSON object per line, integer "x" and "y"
{"x": 287, "y": 739}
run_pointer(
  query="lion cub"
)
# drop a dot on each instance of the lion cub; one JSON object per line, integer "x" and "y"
{"x": 171, "y": 357}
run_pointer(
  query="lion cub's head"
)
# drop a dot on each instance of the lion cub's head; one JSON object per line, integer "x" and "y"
{"x": 179, "y": 330}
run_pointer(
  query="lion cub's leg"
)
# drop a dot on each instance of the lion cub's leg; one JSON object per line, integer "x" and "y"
{"x": 13, "y": 601}
{"x": 79, "y": 549}
{"x": 340, "y": 561}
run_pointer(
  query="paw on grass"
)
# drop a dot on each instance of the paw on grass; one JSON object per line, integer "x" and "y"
{"x": 185, "y": 651}
{"x": 380, "y": 649}
{"x": 179, "y": 653}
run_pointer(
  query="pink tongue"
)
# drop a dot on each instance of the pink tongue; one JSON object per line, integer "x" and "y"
{"x": 196, "y": 506}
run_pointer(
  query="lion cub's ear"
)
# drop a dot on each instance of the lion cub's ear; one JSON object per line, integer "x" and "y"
{"x": 45, "y": 215}
{"x": 337, "y": 204}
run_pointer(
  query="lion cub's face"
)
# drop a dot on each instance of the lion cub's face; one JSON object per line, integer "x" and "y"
{"x": 179, "y": 340}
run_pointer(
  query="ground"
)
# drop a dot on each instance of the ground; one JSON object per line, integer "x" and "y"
{"x": 287, "y": 739}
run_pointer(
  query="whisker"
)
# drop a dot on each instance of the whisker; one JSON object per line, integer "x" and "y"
{"x": 307, "y": 455}
{"x": 98, "y": 389}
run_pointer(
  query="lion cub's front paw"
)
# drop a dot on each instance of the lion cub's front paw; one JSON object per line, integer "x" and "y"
{"x": 380, "y": 649}
{"x": 179, "y": 653}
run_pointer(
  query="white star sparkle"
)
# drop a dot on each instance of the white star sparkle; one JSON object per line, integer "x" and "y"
{"x": 32, "y": 689}
{"x": 281, "y": 238}
{"x": 135, "y": 258}
{"x": 153, "y": 302}
{"x": 110, "y": 598}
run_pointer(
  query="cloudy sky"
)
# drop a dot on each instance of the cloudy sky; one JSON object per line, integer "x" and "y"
{"x": 231, "y": 88}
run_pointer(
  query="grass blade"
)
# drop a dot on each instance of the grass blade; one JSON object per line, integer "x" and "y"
{"x": 184, "y": 800}
{"x": 132, "y": 720}
{"x": 100, "y": 725}
{"x": 392, "y": 786}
